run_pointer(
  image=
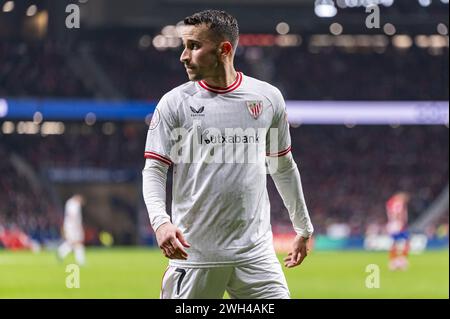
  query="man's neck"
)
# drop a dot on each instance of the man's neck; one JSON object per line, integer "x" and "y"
{"x": 225, "y": 77}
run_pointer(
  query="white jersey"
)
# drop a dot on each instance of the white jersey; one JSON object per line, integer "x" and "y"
{"x": 73, "y": 226}
{"x": 220, "y": 202}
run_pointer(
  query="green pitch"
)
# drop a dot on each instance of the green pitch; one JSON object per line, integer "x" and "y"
{"x": 137, "y": 272}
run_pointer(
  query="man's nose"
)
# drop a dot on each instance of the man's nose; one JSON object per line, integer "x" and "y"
{"x": 184, "y": 56}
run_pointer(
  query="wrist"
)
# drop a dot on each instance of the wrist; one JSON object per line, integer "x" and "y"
{"x": 162, "y": 225}
{"x": 303, "y": 238}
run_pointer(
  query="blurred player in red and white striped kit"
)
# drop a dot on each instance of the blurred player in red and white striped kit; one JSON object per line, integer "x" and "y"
{"x": 397, "y": 215}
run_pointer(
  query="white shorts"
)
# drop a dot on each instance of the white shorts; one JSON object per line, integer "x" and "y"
{"x": 258, "y": 280}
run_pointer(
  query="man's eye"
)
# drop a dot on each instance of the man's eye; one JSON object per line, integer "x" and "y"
{"x": 195, "y": 46}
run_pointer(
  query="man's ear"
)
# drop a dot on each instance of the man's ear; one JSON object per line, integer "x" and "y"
{"x": 226, "y": 48}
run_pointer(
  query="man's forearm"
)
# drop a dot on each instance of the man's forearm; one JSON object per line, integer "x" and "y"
{"x": 154, "y": 178}
{"x": 287, "y": 180}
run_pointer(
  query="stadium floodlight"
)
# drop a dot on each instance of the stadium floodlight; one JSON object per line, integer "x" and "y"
{"x": 425, "y": 3}
{"x": 8, "y": 6}
{"x": 387, "y": 3}
{"x": 32, "y": 10}
{"x": 325, "y": 8}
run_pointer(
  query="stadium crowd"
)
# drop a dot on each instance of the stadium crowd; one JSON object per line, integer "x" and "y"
{"x": 42, "y": 69}
{"x": 147, "y": 73}
{"x": 23, "y": 208}
{"x": 37, "y": 69}
{"x": 347, "y": 173}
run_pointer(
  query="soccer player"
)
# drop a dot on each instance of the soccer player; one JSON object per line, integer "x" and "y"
{"x": 220, "y": 238}
{"x": 397, "y": 215}
{"x": 73, "y": 230}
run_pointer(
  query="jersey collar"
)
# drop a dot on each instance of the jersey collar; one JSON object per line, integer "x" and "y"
{"x": 219, "y": 90}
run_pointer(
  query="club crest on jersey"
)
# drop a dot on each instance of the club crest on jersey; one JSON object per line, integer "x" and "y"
{"x": 255, "y": 108}
{"x": 197, "y": 112}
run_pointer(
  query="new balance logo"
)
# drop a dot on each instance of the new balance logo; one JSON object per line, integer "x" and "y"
{"x": 198, "y": 112}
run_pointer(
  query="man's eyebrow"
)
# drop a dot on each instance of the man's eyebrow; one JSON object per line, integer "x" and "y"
{"x": 190, "y": 41}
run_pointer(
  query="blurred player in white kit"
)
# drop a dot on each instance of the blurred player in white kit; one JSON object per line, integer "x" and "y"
{"x": 73, "y": 230}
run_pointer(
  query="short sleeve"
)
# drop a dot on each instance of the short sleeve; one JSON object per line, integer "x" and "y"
{"x": 159, "y": 140}
{"x": 278, "y": 139}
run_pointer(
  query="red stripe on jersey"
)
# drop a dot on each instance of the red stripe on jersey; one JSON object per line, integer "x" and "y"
{"x": 281, "y": 153}
{"x": 156, "y": 156}
{"x": 223, "y": 88}
{"x": 219, "y": 90}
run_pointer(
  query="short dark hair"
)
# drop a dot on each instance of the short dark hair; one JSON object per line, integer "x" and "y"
{"x": 220, "y": 22}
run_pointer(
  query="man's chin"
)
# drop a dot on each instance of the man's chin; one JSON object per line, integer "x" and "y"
{"x": 194, "y": 76}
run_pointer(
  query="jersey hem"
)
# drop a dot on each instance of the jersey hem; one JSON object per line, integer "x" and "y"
{"x": 187, "y": 264}
{"x": 269, "y": 252}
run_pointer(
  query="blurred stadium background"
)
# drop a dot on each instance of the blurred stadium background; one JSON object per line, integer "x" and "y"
{"x": 368, "y": 111}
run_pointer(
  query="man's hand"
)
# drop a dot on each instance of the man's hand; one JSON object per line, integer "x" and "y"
{"x": 171, "y": 241}
{"x": 298, "y": 253}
